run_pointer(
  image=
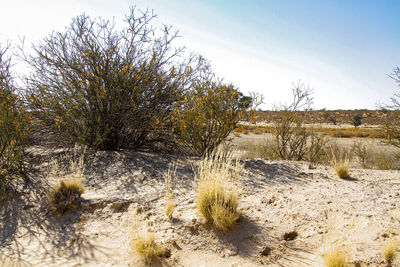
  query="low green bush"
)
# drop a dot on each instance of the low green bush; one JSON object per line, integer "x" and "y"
{"x": 208, "y": 114}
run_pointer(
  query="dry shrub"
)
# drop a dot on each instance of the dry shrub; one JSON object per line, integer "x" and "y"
{"x": 391, "y": 126}
{"x": 291, "y": 138}
{"x": 384, "y": 160}
{"x": 375, "y": 158}
{"x": 109, "y": 87}
{"x": 389, "y": 252}
{"x": 217, "y": 197}
{"x": 65, "y": 196}
{"x": 265, "y": 150}
{"x": 14, "y": 122}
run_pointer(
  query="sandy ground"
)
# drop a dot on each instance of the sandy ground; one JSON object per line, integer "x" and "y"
{"x": 125, "y": 191}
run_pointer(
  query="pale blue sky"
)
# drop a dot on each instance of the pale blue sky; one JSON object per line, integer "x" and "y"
{"x": 343, "y": 49}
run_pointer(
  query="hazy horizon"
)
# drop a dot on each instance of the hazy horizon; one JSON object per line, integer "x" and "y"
{"x": 344, "y": 50}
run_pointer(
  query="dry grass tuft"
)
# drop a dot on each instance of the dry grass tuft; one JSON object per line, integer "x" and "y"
{"x": 337, "y": 240}
{"x": 216, "y": 189}
{"x": 389, "y": 253}
{"x": 342, "y": 169}
{"x": 144, "y": 243}
{"x": 65, "y": 196}
{"x": 335, "y": 257}
{"x": 67, "y": 193}
{"x": 339, "y": 161}
{"x": 148, "y": 248}
{"x": 170, "y": 181}
{"x": 169, "y": 209}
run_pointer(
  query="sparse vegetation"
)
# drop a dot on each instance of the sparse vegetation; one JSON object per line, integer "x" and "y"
{"x": 323, "y": 131}
{"x": 217, "y": 196}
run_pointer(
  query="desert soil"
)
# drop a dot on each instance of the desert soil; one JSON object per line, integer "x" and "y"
{"x": 125, "y": 193}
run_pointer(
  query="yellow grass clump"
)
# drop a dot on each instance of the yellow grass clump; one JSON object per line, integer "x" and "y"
{"x": 340, "y": 162}
{"x": 217, "y": 197}
{"x": 337, "y": 240}
{"x": 147, "y": 247}
{"x": 389, "y": 252}
{"x": 144, "y": 243}
{"x": 335, "y": 257}
{"x": 342, "y": 169}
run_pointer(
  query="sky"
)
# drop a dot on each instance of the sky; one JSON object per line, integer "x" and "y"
{"x": 342, "y": 49}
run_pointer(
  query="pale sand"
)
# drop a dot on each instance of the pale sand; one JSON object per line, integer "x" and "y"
{"x": 124, "y": 189}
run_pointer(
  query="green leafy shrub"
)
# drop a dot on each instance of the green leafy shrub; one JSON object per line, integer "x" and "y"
{"x": 14, "y": 122}
{"x": 107, "y": 88}
{"x": 208, "y": 113}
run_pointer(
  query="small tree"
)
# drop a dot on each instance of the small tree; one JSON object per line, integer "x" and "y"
{"x": 13, "y": 125}
{"x": 328, "y": 116}
{"x": 291, "y": 139}
{"x": 357, "y": 120}
{"x": 108, "y": 88}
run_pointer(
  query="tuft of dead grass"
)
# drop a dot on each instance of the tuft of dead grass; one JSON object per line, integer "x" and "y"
{"x": 390, "y": 250}
{"x": 217, "y": 197}
{"x": 170, "y": 180}
{"x": 148, "y": 248}
{"x": 339, "y": 161}
{"x": 342, "y": 169}
{"x": 337, "y": 239}
{"x": 145, "y": 244}
{"x": 335, "y": 257}
{"x": 65, "y": 195}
